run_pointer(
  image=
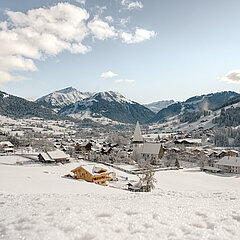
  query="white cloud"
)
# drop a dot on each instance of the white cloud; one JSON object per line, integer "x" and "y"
{"x": 7, "y": 77}
{"x": 139, "y": 36}
{"x": 79, "y": 48}
{"x": 101, "y": 29}
{"x": 16, "y": 63}
{"x": 47, "y": 31}
{"x": 131, "y": 5}
{"x": 83, "y": 2}
{"x": 123, "y": 21}
{"x": 124, "y": 81}
{"x": 109, "y": 19}
{"x": 232, "y": 77}
{"x": 108, "y": 74}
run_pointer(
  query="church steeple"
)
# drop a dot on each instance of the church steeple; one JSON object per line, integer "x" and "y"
{"x": 137, "y": 137}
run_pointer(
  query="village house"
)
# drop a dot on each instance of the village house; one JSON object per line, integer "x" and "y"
{"x": 232, "y": 153}
{"x": 92, "y": 173}
{"x": 7, "y": 146}
{"x": 188, "y": 142}
{"x": 53, "y": 156}
{"x": 229, "y": 164}
{"x": 83, "y": 147}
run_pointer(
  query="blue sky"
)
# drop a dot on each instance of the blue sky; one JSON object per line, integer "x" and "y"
{"x": 148, "y": 50}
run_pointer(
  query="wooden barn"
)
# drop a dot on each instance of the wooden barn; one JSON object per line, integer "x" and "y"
{"x": 92, "y": 173}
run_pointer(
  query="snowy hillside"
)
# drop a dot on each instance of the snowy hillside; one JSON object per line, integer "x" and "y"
{"x": 64, "y": 97}
{"x": 111, "y": 105}
{"x": 157, "y": 106}
{"x": 195, "y": 105}
{"x": 37, "y": 203}
{"x": 16, "y": 107}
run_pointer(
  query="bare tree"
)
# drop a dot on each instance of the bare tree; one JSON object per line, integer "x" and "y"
{"x": 147, "y": 179}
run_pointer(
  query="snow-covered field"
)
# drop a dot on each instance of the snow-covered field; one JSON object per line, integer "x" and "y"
{"x": 37, "y": 203}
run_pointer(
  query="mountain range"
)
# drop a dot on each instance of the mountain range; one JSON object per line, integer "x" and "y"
{"x": 70, "y": 102}
{"x": 159, "y": 105}
{"x": 111, "y": 105}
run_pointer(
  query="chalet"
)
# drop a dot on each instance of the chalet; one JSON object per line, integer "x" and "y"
{"x": 232, "y": 153}
{"x": 85, "y": 146}
{"x": 229, "y": 164}
{"x": 7, "y": 146}
{"x": 222, "y": 154}
{"x": 53, "y": 156}
{"x": 106, "y": 150}
{"x": 188, "y": 141}
{"x": 92, "y": 173}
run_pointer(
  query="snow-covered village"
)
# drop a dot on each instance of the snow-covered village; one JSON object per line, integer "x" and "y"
{"x": 119, "y": 120}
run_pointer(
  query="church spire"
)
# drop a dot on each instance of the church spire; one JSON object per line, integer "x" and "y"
{"x": 137, "y": 137}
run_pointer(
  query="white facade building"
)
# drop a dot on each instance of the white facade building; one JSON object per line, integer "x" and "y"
{"x": 229, "y": 164}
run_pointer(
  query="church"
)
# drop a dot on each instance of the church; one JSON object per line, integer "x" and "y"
{"x": 145, "y": 151}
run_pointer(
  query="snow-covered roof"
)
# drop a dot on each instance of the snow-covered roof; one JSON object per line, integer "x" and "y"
{"x": 57, "y": 154}
{"x": 151, "y": 148}
{"x": 229, "y": 161}
{"x": 6, "y": 143}
{"x": 137, "y": 137}
{"x": 190, "y": 140}
{"x": 46, "y": 156}
{"x": 91, "y": 168}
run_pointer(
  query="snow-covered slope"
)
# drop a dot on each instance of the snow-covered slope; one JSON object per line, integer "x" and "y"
{"x": 111, "y": 105}
{"x": 64, "y": 97}
{"x": 157, "y": 106}
{"x": 195, "y": 105}
{"x": 101, "y": 105}
{"x": 37, "y": 203}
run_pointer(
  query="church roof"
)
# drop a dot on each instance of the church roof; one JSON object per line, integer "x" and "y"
{"x": 151, "y": 148}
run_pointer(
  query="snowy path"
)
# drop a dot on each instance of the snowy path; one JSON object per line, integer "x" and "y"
{"x": 185, "y": 205}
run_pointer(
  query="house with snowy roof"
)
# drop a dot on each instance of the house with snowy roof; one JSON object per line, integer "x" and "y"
{"x": 229, "y": 164}
{"x": 53, "y": 156}
{"x": 92, "y": 173}
{"x": 7, "y": 146}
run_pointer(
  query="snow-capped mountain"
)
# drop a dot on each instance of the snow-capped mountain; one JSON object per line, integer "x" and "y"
{"x": 110, "y": 105}
{"x": 159, "y": 105}
{"x": 64, "y": 97}
{"x": 193, "y": 107}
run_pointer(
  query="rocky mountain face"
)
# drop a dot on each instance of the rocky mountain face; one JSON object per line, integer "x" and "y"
{"x": 193, "y": 107}
{"x": 111, "y": 105}
{"x": 157, "y": 106}
{"x": 16, "y": 107}
{"x": 64, "y": 97}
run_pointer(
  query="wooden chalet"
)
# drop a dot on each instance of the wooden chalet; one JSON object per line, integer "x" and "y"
{"x": 92, "y": 173}
{"x": 232, "y": 153}
{"x": 86, "y": 146}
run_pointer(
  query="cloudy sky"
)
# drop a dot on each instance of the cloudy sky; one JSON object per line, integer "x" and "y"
{"x": 148, "y": 50}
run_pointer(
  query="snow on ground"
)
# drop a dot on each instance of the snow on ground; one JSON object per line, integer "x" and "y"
{"x": 37, "y": 203}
